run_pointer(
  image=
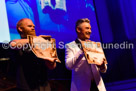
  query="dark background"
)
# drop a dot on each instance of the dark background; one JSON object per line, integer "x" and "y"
{"x": 116, "y": 21}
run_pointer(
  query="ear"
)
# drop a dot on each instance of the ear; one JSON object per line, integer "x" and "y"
{"x": 20, "y": 29}
{"x": 78, "y": 30}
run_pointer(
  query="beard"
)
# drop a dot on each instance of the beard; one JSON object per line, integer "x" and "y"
{"x": 25, "y": 33}
{"x": 31, "y": 33}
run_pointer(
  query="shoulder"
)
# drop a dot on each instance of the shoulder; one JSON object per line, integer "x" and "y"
{"x": 71, "y": 44}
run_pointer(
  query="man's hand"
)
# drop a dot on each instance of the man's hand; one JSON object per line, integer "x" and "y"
{"x": 50, "y": 62}
{"x": 101, "y": 64}
{"x": 50, "y": 59}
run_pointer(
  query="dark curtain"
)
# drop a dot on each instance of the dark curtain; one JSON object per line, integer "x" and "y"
{"x": 117, "y": 24}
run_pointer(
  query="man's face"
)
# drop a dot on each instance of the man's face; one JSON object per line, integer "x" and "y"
{"x": 84, "y": 31}
{"x": 28, "y": 28}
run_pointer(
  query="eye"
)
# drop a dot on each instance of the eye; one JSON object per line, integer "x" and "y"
{"x": 87, "y": 28}
{"x": 29, "y": 25}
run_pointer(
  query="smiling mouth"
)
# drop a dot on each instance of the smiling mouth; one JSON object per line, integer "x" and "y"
{"x": 88, "y": 33}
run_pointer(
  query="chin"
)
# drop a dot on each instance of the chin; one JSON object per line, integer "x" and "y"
{"x": 32, "y": 34}
{"x": 88, "y": 38}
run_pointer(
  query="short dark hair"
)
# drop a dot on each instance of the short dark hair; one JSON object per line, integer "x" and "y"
{"x": 80, "y": 21}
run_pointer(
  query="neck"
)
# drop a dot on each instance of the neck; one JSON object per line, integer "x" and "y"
{"x": 23, "y": 37}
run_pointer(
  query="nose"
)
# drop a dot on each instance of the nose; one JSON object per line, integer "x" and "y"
{"x": 90, "y": 31}
{"x": 33, "y": 28}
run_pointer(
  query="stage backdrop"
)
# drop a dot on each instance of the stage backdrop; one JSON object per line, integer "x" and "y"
{"x": 51, "y": 17}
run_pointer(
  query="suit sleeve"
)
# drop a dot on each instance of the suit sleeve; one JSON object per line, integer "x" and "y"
{"x": 71, "y": 58}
